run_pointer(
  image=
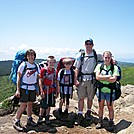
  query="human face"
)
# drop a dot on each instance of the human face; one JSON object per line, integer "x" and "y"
{"x": 88, "y": 46}
{"x": 67, "y": 65}
{"x": 51, "y": 63}
{"x": 30, "y": 57}
{"x": 107, "y": 58}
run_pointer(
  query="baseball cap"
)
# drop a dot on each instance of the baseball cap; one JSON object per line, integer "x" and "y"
{"x": 89, "y": 40}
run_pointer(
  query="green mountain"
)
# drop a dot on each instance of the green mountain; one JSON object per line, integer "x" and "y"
{"x": 5, "y": 66}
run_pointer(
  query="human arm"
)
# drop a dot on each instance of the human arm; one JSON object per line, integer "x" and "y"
{"x": 76, "y": 75}
{"x": 19, "y": 75}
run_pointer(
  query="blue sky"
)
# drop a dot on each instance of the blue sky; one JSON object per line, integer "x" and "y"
{"x": 60, "y": 27}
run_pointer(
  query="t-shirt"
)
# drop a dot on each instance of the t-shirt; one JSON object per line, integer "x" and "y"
{"x": 65, "y": 80}
{"x": 48, "y": 76}
{"x": 115, "y": 73}
{"x": 88, "y": 64}
{"x": 30, "y": 76}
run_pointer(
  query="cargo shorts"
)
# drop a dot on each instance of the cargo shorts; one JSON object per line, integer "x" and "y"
{"x": 86, "y": 89}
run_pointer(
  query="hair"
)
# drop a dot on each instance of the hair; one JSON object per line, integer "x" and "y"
{"x": 67, "y": 61}
{"x": 51, "y": 58}
{"x": 29, "y": 51}
{"x": 107, "y": 52}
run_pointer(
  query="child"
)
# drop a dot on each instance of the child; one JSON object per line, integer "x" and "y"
{"x": 66, "y": 80}
{"x": 105, "y": 92}
{"x": 26, "y": 88}
{"x": 48, "y": 90}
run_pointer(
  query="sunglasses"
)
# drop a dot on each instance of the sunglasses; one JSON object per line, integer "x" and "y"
{"x": 88, "y": 44}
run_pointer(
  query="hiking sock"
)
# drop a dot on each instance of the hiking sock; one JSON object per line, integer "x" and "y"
{"x": 29, "y": 118}
{"x": 17, "y": 120}
{"x": 80, "y": 112}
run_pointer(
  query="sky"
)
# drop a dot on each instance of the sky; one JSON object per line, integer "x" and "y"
{"x": 60, "y": 27}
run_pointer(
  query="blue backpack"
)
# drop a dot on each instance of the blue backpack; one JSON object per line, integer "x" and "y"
{"x": 19, "y": 58}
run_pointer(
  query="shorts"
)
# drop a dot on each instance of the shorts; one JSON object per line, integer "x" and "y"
{"x": 105, "y": 96}
{"x": 30, "y": 97}
{"x": 48, "y": 101}
{"x": 86, "y": 89}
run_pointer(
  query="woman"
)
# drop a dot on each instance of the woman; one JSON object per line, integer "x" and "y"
{"x": 106, "y": 77}
{"x": 27, "y": 79}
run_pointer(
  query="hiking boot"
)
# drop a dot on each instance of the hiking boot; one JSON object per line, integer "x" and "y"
{"x": 47, "y": 120}
{"x": 99, "y": 125}
{"x": 80, "y": 118}
{"x": 66, "y": 112}
{"x": 40, "y": 120}
{"x": 111, "y": 126}
{"x": 60, "y": 111}
{"x": 88, "y": 115}
{"x": 17, "y": 125}
{"x": 30, "y": 122}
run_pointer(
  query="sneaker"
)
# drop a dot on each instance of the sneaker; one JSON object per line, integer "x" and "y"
{"x": 80, "y": 118}
{"x": 17, "y": 125}
{"x": 47, "y": 120}
{"x": 30, "y": 122}
{"x": 40, "y": 120}
{"x": 88, "y": 115}
{"x": 99, "y": 125}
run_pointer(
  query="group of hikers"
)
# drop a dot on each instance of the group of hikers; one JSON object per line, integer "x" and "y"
{"x": 85, "y": 72}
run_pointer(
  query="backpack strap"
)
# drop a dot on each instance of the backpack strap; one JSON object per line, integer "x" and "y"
{"x": 71, "y": 83}
{"x": 111, "y": 86}
{"x": 82, "y": 60}
{"x": 24, "y": 71}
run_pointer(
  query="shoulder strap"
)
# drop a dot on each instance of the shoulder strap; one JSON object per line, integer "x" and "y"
{"x": 112, "y": 68}
{"x": 72, "y": 73}
{"x": 95, "y": 56}
{"x": 101, "y": 67}
{"x": 62, "y": 73}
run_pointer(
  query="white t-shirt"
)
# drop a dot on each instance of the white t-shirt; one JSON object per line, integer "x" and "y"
{"x": 30, "y": 76}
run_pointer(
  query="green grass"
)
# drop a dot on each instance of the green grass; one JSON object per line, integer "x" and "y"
{"x": 127, "y": 76}
{"x": 6, "y": 88}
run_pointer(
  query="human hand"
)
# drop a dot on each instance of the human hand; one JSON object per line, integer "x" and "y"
{"x": 17, "y": 94}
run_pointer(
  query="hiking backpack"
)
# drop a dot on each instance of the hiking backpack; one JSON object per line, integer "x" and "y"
{"x": 82, "y": 56}
{"x": 60, "y": 65}
{"x": 19, "y": 58}
{"x": 69, "y": 84}
{"x": 116, "y": 85}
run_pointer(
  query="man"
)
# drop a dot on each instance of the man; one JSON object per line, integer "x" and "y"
{"x": 85, "y": 65}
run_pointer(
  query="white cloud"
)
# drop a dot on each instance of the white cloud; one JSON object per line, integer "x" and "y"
{"x": 42, "y": 52}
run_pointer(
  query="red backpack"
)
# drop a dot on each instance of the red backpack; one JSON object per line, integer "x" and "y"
{"x": 60, "y": 65}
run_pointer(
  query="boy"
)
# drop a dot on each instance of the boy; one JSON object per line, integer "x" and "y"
{"x": 66, "y": 80}
{"x": 48, "y": 90}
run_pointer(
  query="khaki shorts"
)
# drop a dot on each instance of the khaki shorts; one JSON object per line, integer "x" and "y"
{"x": 86, "y": 89}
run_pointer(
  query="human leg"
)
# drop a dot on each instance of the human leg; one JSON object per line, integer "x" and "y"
{"x": 90, "y": 95}
{"x": 17, "y": 125}
{"x": 101, "y": 107}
